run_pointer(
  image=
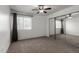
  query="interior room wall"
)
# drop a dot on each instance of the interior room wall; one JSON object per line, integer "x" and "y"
{"x": 71, "y": 25}
{"x": 4, "y": 28}
{"x": 51, "y": 26}
{"x": 38, "y": 28}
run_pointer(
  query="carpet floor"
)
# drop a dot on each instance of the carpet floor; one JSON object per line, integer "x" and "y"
{"x": 62, "y": 44}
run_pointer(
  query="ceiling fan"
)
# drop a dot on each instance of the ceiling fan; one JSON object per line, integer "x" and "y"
{"x": 41, "y": 9}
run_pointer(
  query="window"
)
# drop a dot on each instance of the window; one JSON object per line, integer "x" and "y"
{"x": 24, "y": 22}
{"x": 58, "y": 24}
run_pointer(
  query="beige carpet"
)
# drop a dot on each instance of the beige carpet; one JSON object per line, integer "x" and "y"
{"x": 63, "y": 44}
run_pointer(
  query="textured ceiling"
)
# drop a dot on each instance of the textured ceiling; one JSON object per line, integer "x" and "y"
{"x": 27, "y": 9}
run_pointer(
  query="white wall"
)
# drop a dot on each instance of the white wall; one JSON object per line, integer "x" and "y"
{"x": 38, "y": 28}
{"x": 4, "y": 28}
{"x": 71, "y": 25}
{"x": 51, "y": 26}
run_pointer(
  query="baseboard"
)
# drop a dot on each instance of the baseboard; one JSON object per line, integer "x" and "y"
{"x": 36, "y": 37}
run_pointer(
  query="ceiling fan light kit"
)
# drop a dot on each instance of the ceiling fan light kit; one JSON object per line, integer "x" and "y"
{"x": 41, "y": 11}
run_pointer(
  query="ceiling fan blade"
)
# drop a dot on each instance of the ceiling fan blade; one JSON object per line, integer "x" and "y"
{"x": 47, "y": 8}
{"x": 37, "y": 12}
{"x": 34, "y": 9}
{"x": 44, "y": 11}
